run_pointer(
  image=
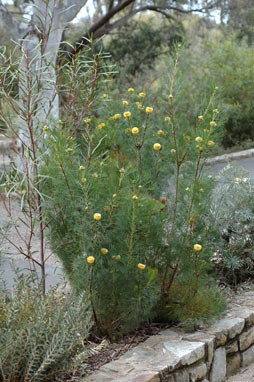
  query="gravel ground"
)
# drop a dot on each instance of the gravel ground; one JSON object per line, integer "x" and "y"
{"x": 246, "y": 374}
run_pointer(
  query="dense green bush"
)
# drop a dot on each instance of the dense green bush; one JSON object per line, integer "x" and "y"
{"x": 127, "y": 203}
{"x": 223, "y": 61}
{"x": 40, "y": 337}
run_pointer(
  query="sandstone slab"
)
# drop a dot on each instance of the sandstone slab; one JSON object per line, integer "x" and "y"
{"x": 233, "y": 363}
{"x": 248, "y": 356}
{"x": 246, "y": 339}
{"x": 218, "y": 370}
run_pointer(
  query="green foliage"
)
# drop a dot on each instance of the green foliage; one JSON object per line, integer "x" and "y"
{"x": 191, "y": 305}
{"x": 127, "y": 200}
{"x": 223, "y": 61}
{"x": 40, "y": 337}
{"x": 139, "y": 44}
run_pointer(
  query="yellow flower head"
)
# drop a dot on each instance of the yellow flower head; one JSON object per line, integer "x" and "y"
{"x": 127, "y": 114}
{"x": 200, "y": 117}
{"x": 81, "y": 168}
{"x": 197, "y": 247}
{"x": 141, "y": 266}
{"x": 125, "y": 103}
{"x": 170, "y": 97}
{"x": 130, "y": 90}
{"x": 160, "y": 132}
{"x": 142, "y": 95}
{"x": 134, "y": 197}
{"x": 198, "y": 139}
{"x": 104, "y": 251}
{"x": 90, "y": 259}
{"x": 97, "y": 216}
{"x": 135, "y": 130}
{"x": 173, "y": 151}
{"x": 187, "y": 189}
{"x": 210, "y": 143}
{"x": 45, "y": 128}
{"x": 157, "y": 146}
{"x": 69, "y": 150}
{"x": 87, "y": 120}
{"x": 101, "y": 125}
{"x": 149, "y": 110}
{"x": 138, "y": 103}
{"x": 118, "y": 257}
{"x": 212, "y": 124}
{"x": 117, "y": 116}
{"x": 167, "y": 119}
{"x": 105, "y": 95}
{"x": 201, "y": 190}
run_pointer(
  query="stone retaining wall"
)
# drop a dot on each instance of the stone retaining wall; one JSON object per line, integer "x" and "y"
{"x": 207, "y": 355}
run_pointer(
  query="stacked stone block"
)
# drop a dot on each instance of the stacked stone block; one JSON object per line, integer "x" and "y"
{"x": 207, "y": 355}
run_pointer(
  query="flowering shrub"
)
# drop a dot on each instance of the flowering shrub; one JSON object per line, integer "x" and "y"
{"x": 128, "y": 205}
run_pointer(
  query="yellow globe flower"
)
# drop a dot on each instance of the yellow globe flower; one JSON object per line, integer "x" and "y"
{"x": 149, "y": 110}
{"x": 127, "y": 114}
{"x": 97, "y": 216}
{"x": 157, "y": 146}
{"x": 167, "y": 119}
{"x": 135, "y": 130}
{"x": 197, "y": 247}
{"x": 90, "y": 259}
{"x": 130, "y": 90}
{"x": 141, "y": 266}
{"x": 170, "y": 97}
{"x": 142, "y": 95}
{"x": 101, "y": 125}
{"x": 160, "y": 132}
{"x": 198, "y": 139}
{"x": 173, "y": 151}
{"x": 104, "y": 251}
{"x": 105, "y": 95}
{"x": 45, "y": 128}
{"x": 117, "y": 116}
{"x": 125, "y": 103}
{"x": 200, "y": 117}
{"x": 210, "y": 143}
{"x": 81, "y": 168}
{"x": 212, "y": 124}
{"x": 87, "y": 120}
{"x": 134, "y": 197}
{"x": 118, "y": 257}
